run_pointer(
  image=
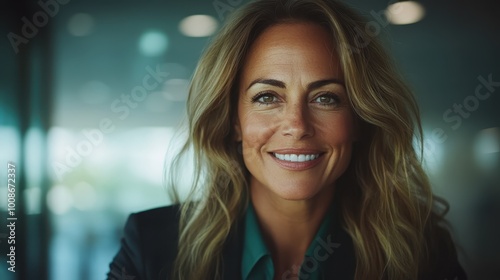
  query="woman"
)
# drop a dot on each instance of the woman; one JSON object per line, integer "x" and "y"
{"x": 302, "y": 134}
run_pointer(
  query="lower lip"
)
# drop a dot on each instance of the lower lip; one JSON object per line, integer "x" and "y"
{"x": 297, "y": 166}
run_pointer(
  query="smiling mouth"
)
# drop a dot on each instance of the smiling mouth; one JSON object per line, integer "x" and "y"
{"x": 296, "y": 157}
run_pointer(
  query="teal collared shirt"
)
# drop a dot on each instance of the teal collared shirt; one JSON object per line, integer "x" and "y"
{"x": 257, "y": 263}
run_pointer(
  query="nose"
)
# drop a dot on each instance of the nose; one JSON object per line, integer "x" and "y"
{"x": 297, "y": 122}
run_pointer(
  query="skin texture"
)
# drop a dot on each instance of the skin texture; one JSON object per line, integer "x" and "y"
{"x": 282, "y": 109}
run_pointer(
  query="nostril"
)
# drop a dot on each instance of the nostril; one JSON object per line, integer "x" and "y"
{"x": 298, "y": 127}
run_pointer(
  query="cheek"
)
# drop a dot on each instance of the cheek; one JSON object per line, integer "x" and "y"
{"x": 339, "y": 130}
{"x": 256, "y": 129}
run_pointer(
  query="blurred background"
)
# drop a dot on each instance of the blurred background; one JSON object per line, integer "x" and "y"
{"x": 92, "y": 94}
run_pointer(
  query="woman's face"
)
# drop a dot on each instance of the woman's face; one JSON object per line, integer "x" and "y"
{"x": 294, "y": 118}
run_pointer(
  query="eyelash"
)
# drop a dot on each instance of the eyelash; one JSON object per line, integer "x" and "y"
{"x": 335, "y": 99}
{"x": 256, "y": 98}
{"x": 333, "y": 96}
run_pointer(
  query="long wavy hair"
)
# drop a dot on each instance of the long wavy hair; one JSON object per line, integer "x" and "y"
{"x": 386, "y": 202}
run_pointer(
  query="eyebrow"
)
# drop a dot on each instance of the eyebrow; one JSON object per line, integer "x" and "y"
{"x": 310, "y": 86}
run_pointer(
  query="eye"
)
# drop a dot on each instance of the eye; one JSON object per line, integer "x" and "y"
{"x": 327, "y": 99}
{"x": 265, "y": 98}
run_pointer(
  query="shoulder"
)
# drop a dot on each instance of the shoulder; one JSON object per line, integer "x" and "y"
{"x": 155, "y": 227}
{"x": 148, "y": 245}
{"x": 443, "y": 258}
{"x": 157, "y": 221}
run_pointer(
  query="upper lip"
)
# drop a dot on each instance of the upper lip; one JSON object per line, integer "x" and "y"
{"x": 297, "y": 151}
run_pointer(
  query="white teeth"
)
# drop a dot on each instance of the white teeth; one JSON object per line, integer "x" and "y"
{"x": 296, "y": 158}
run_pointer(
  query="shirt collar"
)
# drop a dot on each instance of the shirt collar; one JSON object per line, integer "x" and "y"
{"x": 321, "y": 234}
{"x": 254, "y": 248}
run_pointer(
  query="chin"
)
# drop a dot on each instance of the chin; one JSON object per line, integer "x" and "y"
{"x": 299, "y": 192}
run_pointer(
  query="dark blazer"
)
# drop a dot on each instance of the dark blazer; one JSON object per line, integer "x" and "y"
{"x": 148, "y": 249}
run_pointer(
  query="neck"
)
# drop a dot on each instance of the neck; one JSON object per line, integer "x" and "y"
{"x": 289, "y": 226}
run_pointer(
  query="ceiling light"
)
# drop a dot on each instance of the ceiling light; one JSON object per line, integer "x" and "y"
{"x": 81, "y": 24}
{"x": 198, "y": 26}
{"x": 405, "y": 12}
{"x": 488, "y": 141}
{"x": 487, "y": 147}
{"x": 153, "y": 43}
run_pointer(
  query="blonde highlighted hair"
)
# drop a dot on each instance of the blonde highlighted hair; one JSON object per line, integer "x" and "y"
{"x": 387, "y": 204}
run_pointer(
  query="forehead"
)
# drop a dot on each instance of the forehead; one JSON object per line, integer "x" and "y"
{"x": 299, "y": 46}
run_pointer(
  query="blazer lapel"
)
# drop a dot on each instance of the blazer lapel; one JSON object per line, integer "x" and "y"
{"x": 232, "y": 253}
{"x": 340, "y": 265}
